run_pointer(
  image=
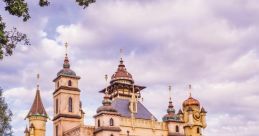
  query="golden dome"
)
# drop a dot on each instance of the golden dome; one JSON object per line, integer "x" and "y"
{"x": 190, "y": 102}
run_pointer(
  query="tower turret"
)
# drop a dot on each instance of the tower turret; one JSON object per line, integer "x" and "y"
{"x": 107, "y": 119}
{"x": 66, "y": 97}
{"x": 173, "y": 121}
{"x": 193, "y": 116}
{"x": 37, "y": 116}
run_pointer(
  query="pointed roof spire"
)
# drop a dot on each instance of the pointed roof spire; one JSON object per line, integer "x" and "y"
{"x": 37, "y": 107}
{"x": 106, "y": 98}
{"x": 122, "y": 73}
{"x": 66, "y": 61}
{"x": 170, "y": 109}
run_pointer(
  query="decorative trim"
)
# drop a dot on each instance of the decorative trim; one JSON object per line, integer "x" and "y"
{"x": 67, "y": 88}
{"x": 66, "y": 116}
{"x": 107, "y": 128}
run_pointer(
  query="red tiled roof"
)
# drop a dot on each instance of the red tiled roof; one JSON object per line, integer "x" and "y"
{"x": 37, "y": 107}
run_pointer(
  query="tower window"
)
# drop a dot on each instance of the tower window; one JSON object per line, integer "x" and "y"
{"x": 57, "y": 84}
{"x": 56, "y": 130}
{"x": 198, "y": 130}
{"x": 69, "y": 83}
{"x": 98, "y": 123}
{"x": 176, "y": 128}
{"x": 111, "y": 122}
{"x": 70, "y": 104}
{"x": 56, "y": 106}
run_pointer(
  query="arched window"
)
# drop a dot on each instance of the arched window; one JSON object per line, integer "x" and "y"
{"x": 111, "y": 134}
{"x": 176, "y": 128}
{"x": 70, "y": 104}
{"x": 98, "y": 123}
{"x": 56, "y": 106}
{"x": 111, "y": 122}
{"x": 58, "y": 84}
{"x": 69, "y": 83}
{"x": 198, "y": 130}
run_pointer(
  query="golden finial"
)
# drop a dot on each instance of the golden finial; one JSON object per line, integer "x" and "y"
{"x": 66, "y": 46}
{"x": 106, "y": 79}
{"x": 190, "y": 90}
{"x": 38, "y": 80}
{"x": 170, "y": 92}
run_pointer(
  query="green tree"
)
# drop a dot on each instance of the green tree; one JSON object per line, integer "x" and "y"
{"x": 11, "y": 38}
{"x": 5, "y": 117}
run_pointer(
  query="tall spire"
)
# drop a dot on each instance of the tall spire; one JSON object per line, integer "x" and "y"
{"x": 106, "y": 98}
{"x": 170, "y": 92}
{"x": 37, "y": 107}
{"x": 66, "y": 64}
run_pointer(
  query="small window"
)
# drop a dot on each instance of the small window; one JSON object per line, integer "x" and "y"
{"x": 98, "y": 123}
{"x": 70, "y": 104}
{"x": 56, "y": 130}
{"x": 198, "y": 130}
{"x": 176, "y": 128}
{"x": 111, "y": 134}
{"x": 69, "y": 83}
{"x": 58, "y": 84}
{"x": 111, "y": 122}
{"x": 56, "y": 106}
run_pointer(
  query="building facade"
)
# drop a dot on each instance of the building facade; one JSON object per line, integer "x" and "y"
{"x": 121, "y": 112}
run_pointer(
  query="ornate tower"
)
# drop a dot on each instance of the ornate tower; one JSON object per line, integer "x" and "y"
{"x": 107, "y": 119}
{"x": 66, "y": 97}
{"x": 173, "y": 121}
{"x": 194, "y": 116}
{"x": 37, "y": 117}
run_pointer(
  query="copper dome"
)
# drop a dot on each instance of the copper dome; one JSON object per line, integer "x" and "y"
{"x": 190, "y": 102}
{"x": 122, "y": 74}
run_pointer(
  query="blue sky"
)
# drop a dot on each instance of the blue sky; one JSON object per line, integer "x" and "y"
{"x": 211, "y": 44}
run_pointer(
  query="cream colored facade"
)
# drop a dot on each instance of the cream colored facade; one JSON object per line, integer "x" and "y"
{"x": 122, "y": 114}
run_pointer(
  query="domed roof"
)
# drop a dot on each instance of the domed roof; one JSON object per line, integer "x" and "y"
{"x": 122, "y": 74}
{"x": 191, "y": 102}
{"x": 106, "y": 105}
{"x": 66, "y": 69}
{"x": 171, "y": 116}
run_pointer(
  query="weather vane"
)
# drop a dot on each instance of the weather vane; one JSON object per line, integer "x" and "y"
{"x": 106, "y": 79}
{"x": 38, "y": 80}
{"x": 170, "y": 92}
{"x": 190, "y": 90}
{"x": 66, "y": 46}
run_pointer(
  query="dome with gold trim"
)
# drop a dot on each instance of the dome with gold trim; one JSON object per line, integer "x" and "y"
{"x": 191, "y": 102}
{"x": 122, "y": 75}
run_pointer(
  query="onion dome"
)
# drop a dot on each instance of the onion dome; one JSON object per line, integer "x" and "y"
{"x": 37, "y": 108}
{"x": 203, "y": 110}
{"x": 122, "y": 74}
{"x": 106, "y": 105}
{"x": 66, "y": 71}
{"x": 191, "y": 102}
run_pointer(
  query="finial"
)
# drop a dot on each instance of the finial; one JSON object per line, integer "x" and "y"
{"x": 106, "y": 79}
{"x": 66, "y": 46}
{"x": 170, "y": 92}
{"x": 121, "y": 52}
{"x": 38, "y": 80}
{"x": 190, "y": 90}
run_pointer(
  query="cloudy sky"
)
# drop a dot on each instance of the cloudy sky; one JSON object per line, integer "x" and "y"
{"x": 211, "y": 44}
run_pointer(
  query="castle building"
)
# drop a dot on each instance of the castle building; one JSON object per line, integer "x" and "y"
{"x": 121, "y": 112}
